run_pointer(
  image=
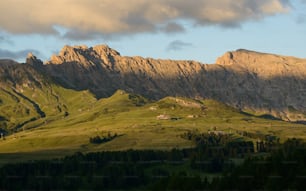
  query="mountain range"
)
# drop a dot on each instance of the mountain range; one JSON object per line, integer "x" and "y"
{"x": 254, "y": 82}
{"x": 86, "y": 92}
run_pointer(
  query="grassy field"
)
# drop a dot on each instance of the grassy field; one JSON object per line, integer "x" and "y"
{"x": 72, "y": 118}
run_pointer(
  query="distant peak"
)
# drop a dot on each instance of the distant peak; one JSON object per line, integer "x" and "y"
{"x": 105, "y": 49}
{"x": 83, "y": 47}
{"x": 243, "y": 57}
{"x": 226, "y": 59}
{"x": 249, "y": 51}
{"x": 102, "y": 46}
{"x": 31, "y": 55}
{"x": 244, "y": 50}
{"x": 234, "y": 57}
{"x": 84, "y": 55}
{"x": 66, "y": 50}
{"x": 99, "y": 49}
{"x": 75, "y": 47}
{"x": 32, "y": 60}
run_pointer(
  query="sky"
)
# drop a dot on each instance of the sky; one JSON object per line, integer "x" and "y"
{"x": 200, "y": 30}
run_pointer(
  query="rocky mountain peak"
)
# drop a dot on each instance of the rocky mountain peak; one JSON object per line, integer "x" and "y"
{"x": 33, "y": 60}
{"x": 67, "y": 50}
{"x": 72, "y": 54}
{"x": 84, "y": 55}
{"x": 105, "y": 50}
{"x": 226, "y": 59}
{"x": 105, "y": 53}
{"x": 239, "y": 57}
{"x": 242, "y": 58}
{"x": 30, "y": 55}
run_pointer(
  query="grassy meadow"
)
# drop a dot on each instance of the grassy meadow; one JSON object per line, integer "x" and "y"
{"x": 73, "y": 117}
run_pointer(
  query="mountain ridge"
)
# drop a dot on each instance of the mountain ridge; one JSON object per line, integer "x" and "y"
{"x": 259, "y": 83}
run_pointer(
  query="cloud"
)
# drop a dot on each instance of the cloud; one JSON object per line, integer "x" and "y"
{"x": 303, "y": 1}
{"x": 2, "y": 39}
{"x": 301, "y": 18}
{"x": 17, "y": 55}
{"x": 178, "y": 45}
{"x": 123, "y": 17}
{"x": 173, "y": 27}
{"x": 5, "y": 39}
{"x": 80, "y": 35}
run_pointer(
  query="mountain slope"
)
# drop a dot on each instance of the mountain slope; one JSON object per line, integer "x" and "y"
{"x": 254, "y": 82}
{"x": 29, "y": 99}
{"x": 150, "y": 125}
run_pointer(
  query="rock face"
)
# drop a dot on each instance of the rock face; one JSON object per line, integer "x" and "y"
{"x": 251, "y": 81}
{"x": 103, "y": 71}
{"x": 265, "y": 83}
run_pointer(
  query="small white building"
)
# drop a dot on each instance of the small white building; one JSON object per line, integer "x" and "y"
{"x": 163, "y": 117}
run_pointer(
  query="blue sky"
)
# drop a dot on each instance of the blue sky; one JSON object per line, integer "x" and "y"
{"x": 199, "y": 30}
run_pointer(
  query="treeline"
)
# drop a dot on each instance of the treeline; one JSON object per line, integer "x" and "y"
{"x": 219, "y": 144}
{"x": 214, "y": 150}
{"x": 264, "y": 142}
{"x": 284, "y": 169}
{"x": 102, "y": 139}
{"x": 93, "y": 171}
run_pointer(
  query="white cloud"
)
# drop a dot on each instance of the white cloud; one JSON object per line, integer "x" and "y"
{"x": 119, "y": 17}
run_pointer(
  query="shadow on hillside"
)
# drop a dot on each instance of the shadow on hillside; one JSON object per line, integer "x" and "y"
{"x": 241, "y": 90}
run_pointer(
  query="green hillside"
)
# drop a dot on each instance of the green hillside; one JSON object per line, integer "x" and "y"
{"x": 72, "y": 118}
{"x": 26, "y": 108}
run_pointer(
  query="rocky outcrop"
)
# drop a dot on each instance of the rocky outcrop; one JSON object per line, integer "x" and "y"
{"x": 33, "y": 61}
{"x": 251, "y": 81}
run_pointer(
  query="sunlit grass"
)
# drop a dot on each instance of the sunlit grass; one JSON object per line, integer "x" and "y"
{"x": 134, "y": 119}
